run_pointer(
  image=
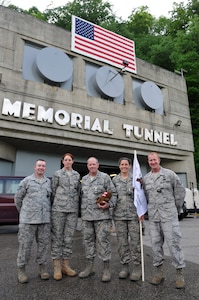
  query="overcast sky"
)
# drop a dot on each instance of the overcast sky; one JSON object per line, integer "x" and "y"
{"x": 122, "y": 8}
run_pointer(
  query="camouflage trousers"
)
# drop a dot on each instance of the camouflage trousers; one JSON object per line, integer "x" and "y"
{"x": 169, "y": 232}
{"x": 128, "y": 237}
{"x": 26, "y": 235}
{"x": 96, "y": 239}
{"x": 63, "y": 228}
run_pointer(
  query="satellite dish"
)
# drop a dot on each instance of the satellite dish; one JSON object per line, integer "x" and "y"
{"x": 109, "y": 82}
{"x": 54, "y": 64}
{"x": 151, "y": 95}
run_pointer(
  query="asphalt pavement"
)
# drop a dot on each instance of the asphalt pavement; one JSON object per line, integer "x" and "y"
{"x": 92, "y": 288}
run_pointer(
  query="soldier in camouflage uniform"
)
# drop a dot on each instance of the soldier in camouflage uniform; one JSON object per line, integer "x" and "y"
{"x": 126, "y": 222}
{"x": 32, "y": 200}
{"x": 165, "y": 195}
{"x": 96, "y": 218}
{"x": 65, "y": 198}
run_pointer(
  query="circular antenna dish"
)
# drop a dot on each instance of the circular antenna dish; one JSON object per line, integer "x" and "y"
{"x": 109, "y": 82}
{"x": 54, "y": 64}
{"x": 151, "y": 95}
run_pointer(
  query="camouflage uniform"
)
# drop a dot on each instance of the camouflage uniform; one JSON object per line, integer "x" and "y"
{"x": 165, "y": 195}
{"x": 32, "y": 200}
{"x": 96, "y": 222}
{"x": 126, "y": 222}
{"x": 65, "y": 197}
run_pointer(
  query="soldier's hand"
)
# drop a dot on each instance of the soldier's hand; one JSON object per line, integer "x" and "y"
{"x": 141, "y": 218}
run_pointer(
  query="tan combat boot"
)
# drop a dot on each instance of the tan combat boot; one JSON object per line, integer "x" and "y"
{"x": 89, "y": 271}
{"x": 106, "y": 276}
{"x": 124, "y": 271}
{"x": 180, "y": 282}
{"x": 159, "y": 277}
{"x": 43, "y": 273}
{"x": 22, "y": 277}
{"x": 66, "y": 269}
{"x": 57, "y": 269}
{"x": 137, "y": 273}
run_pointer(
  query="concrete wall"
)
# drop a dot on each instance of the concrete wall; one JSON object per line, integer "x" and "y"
{"x": 28, "y": 134}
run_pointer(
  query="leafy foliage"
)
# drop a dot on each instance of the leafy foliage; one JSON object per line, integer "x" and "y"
{"x": 95, "y": 11}
{"x": 171, "y": 43}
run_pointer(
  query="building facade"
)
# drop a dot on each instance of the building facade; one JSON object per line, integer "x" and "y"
{"x": 54, "y": 100}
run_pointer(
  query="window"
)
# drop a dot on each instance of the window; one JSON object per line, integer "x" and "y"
{"x": 11, "y": 185}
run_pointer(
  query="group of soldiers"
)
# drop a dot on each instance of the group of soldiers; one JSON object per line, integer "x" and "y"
{"x": 49, "y": 209}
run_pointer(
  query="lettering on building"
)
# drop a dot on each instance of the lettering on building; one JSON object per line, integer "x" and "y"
{"x": 39, "y": 113}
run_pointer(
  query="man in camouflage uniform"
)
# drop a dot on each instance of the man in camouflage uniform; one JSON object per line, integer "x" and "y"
{"x": 96, "y": 218}
{"x": 165, "y": 195}
{"x": 32, "y": 200}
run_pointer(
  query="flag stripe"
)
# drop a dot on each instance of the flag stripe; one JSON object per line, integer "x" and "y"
{"x": 116, "y": 48}
{"x": 102, "y": 52}
{"x": 104, "y": 47}
{"x": 101, "y": 44}
{"x": 114, "y": 38}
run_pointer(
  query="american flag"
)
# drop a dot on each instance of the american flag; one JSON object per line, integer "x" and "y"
{"x": 96, "y": 42}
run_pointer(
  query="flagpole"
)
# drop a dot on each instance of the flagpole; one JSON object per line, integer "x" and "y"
{"x": 142, "y": 252}
{"x": 139, "y": 201}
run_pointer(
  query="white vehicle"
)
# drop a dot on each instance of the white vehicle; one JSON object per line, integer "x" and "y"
{"x": 192, "y": 200}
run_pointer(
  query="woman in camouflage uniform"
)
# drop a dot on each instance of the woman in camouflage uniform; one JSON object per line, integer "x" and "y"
{"x": 126, "y": 222}
{"x": 65, "y": 197}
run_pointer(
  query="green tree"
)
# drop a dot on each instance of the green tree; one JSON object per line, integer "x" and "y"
{"x": 186, "y": 56}
{"x": 33, "y": 11}
{"x": 95, "y": 11}
{"x": 171, "y": 43}
{"x": 140, "y": 22}
{"x": 161, "y": 52}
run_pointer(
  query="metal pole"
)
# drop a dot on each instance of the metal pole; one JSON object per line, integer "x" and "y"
{"x": 142, "y": 252}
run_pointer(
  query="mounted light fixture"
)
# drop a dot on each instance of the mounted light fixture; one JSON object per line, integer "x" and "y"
{"x": 178, "y": 123}
{"x": 125, "y": 63}
{"x": 122, "y": 71}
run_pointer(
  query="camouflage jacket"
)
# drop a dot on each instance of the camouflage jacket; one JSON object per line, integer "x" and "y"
{"x": 65, "y": 191}
{"x": 165, "y": 195}
{"x": 90, "y": 190}
{"x": 125, "y": 208}
{"x": 32, "y": 200}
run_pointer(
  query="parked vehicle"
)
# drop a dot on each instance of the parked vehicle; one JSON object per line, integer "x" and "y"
{"x": 192, "y": 200}
{"x": 8, "y": 211}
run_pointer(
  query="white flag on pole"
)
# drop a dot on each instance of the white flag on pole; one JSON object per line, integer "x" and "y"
{"x": 139, "y": 196}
